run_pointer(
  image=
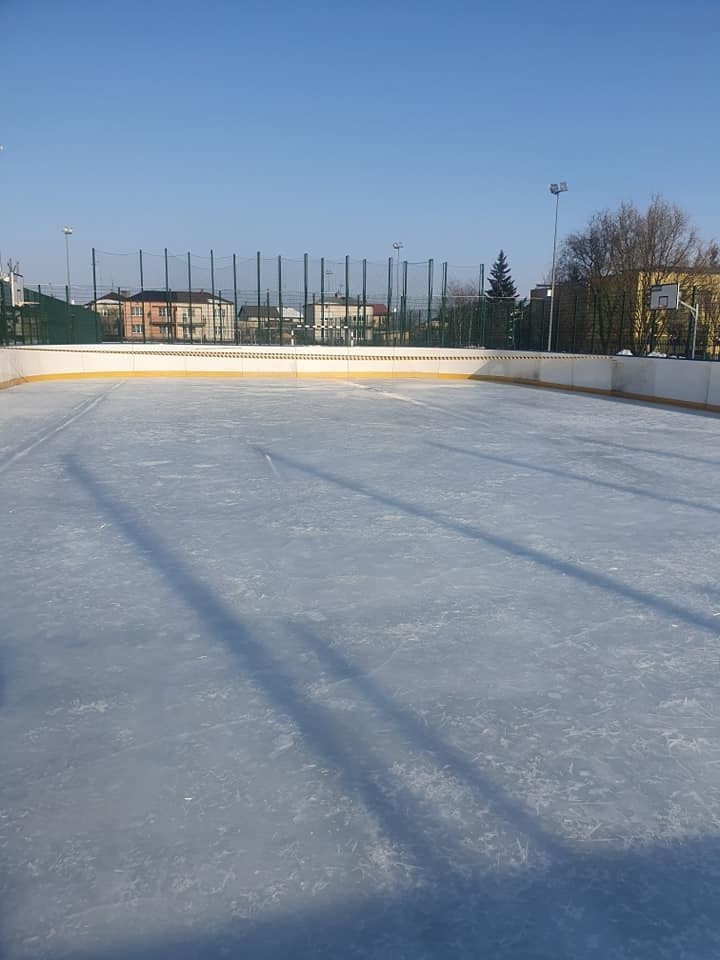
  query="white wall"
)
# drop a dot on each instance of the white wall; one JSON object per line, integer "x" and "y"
{"x": 695, "y": 383}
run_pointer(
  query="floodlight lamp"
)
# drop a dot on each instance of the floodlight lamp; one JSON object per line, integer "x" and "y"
{"x": 67, "y": 231}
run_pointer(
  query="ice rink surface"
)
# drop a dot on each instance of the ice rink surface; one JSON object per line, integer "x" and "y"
{"x": 359, "y": 670}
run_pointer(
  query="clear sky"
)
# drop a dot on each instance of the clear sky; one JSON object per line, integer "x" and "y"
{"x": 335, "y": 128}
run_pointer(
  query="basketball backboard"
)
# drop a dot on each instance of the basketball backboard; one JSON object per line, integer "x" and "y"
{"x": 17, "y": 290}
{"x": 664, "y": 296}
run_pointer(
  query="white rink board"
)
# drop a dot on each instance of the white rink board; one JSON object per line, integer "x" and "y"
{"x": 678, "y": 381}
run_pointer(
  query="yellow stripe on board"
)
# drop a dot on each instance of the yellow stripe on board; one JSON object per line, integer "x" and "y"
{"x": 354, "y": 375}
{"x": 6, "y": 384}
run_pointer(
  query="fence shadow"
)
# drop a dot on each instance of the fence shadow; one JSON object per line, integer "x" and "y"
{"x": 686, "y": 457}
{"x": 569, "y": 475}
{"x": 653, "y": 903}
{"x": 565, "y": 902}
{"x": 582, "y": 574}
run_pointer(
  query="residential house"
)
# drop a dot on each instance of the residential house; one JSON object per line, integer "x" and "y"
{"x": 190, "y": 316}
{"x": 336, "y": 321}
{"x": 258, "y": 324}
{"x": 268, "y": 324}
{"x": 112, "y": 308}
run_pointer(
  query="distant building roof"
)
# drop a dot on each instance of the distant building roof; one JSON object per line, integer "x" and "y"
{"x": 177, "y": 296}
{"x": 115, "y": 296}
{"x": 339, "y": 301}
{"x": 264, "y": 313}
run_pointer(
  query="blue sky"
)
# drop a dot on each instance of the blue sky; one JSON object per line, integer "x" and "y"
{"x": 336, "y": 128}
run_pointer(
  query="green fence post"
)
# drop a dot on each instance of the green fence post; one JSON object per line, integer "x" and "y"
{"x": 431, "y": 270}
{"x": 235, "y": 302}
{"x": 212, "y": 294}
{"x": 168, "y": 308}
{"x": 347, "y": 300}
{"x": 323, "y": 331}
{"x": 574, "y": 328}
{"x": 259, "y": 300}
{"x": 403, "y": 302}
{"x": 190, "y": 306}
{"x": 280, "y": 297}
{"x": 481, "y": 286}
{"x": 67, "y": 315}
{"x": 120, "y": 316}
{"x": 94, "y": 278}
{"x": 142, "y": 298}
{"x": 4, "y": 338}
{"x": 364, "y": 301}
{"x": 389, "y": 299}
{"x": 443, "y": 302}
{"x": 305, "y": 294}
{"x": 483, "y": 306}
{"x": 40, "y": 315}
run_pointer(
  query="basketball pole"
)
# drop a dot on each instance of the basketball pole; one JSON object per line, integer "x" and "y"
{"x": 694, "y": 310}
{"x": 663, "y": 292}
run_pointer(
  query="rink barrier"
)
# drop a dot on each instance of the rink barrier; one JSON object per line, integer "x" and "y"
{"x": 692, "y": 384}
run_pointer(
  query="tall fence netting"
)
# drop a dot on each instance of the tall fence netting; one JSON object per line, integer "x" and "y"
{"x": 170, "y": 296}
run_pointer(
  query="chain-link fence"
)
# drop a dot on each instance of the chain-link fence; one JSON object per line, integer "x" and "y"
{"x": 170, "y": 297}
{"x": 597, "y": 321}
{"x": 39, "y": 317}
{"x": 186, "y": 298}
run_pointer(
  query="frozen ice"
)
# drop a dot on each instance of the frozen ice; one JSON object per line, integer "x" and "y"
{"x": 376, "y": 669}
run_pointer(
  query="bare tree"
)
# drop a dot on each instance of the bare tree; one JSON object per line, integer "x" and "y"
{"x": 621, "y": 253}
{"x": 463, "y": 300}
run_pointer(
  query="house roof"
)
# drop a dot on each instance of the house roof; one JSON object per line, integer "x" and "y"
{"x": 336, "y": 298}
{"x": 177, "y": 296}
{"x": 251, "y": 310}
{"x": 352, "y": 302}
{"x": 113, "y": 297}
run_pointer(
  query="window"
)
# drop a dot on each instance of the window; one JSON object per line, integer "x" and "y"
{"x": 163, "y": 311}
{"x": 136, "y": 328}
{"x": 136, "y": 311}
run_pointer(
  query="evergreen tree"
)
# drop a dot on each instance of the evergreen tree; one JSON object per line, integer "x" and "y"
{"x": 501, "y": 282}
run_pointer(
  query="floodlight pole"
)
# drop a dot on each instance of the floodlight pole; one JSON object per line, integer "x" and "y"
{"x": 556, "y": 189}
